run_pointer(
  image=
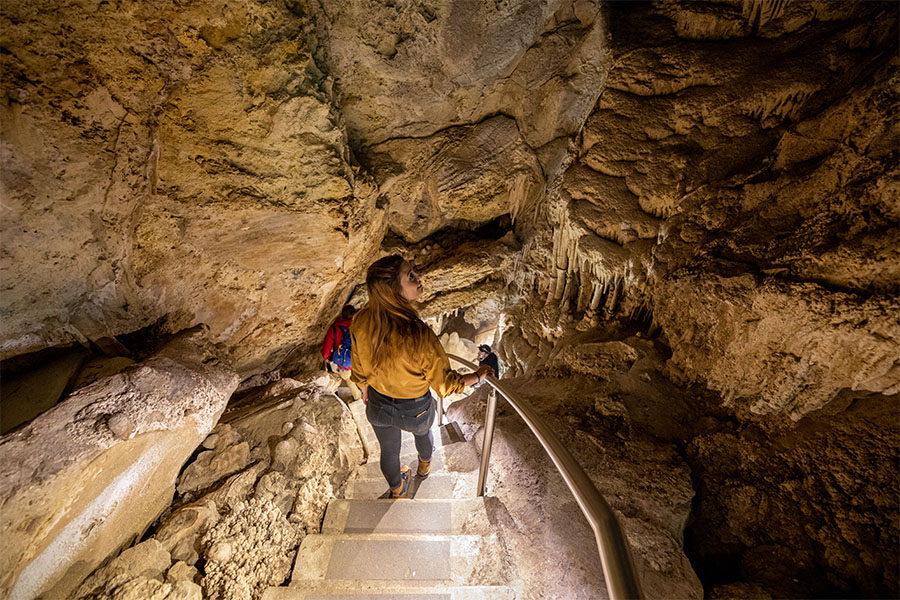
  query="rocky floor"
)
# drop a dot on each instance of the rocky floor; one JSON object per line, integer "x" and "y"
{"x": 254, "y": 489}
{"x": 645, "y": 480}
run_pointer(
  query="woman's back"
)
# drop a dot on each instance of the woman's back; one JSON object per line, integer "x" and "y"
{"x": 408, "y": 368}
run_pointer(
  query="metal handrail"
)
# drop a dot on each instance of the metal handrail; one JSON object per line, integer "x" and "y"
{"x": 615, "y": 555}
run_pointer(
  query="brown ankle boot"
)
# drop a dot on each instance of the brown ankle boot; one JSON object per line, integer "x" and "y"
{"x": 424, "y": 468}
{"x": 400, "y": 491}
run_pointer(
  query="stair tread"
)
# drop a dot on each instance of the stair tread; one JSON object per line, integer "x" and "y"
{"x": 438, "y": 485}
{"x": 426, "y": 516}
{"x": 420, "y": 560}
{"x": 341, "y": 591}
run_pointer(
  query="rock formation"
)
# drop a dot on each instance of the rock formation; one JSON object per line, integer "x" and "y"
{"x": 93, "y": 472}
{"x": 691, "y": 207}
{"x": 244, "y": 503}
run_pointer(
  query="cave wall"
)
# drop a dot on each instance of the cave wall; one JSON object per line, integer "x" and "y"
{"x": 238, "y": 165}
{"x": 735, "y": 193}
{"x": 91, "y": 474}
{"x": 723, "y": 174}
{"x": 177, "y": 162}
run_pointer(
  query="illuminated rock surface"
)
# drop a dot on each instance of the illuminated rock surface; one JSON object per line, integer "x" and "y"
{"x": 689, "y": 208}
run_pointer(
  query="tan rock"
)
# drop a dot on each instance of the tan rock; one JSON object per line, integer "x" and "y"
{"x": 311, "y": 499}
{"x": 786, "y": 503}
{"x": 170, "y": 174}
{"x": 236, "y": 488}
{"x": 181, "y": 571}
{"x": 249, "y": 550}
{"x": 99, "y": 368}
{"x": 181, "y": 531}
{"x": 33, "y": 391}
{"x": 279, "y": 490}
{"x": 213, "y": 465}
{"x": 599, "y": 359}
{"x": 651, "y": 497}
{"x": 146, "y": 561}
{"x": 431, "y": 183}
{"x": 65, "y": 511}
{"x": 779, "y": 349}
{"x": 455, "y": 63}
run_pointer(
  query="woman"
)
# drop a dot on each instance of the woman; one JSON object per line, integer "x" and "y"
{"x": 396, "y": 358}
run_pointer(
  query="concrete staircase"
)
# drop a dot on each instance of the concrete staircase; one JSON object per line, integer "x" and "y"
{"x": 437, "y": 545}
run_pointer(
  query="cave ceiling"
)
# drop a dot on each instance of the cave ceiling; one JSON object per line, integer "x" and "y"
{"x": 719, "y": 168}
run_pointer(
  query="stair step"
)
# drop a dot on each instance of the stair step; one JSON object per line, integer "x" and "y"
{"x": 413, "y": 517}
{"x": 459, "y": 457}
{"x": 421, "y": 560}
{"x": 340, "y": 591}
{"x": 436, "y": 486}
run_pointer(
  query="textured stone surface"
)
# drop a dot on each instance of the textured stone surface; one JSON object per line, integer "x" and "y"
{"x": 29, "y": 394}
{"x": 157, "y": 163}
{"x": 646, "y": 483}
{"x": 720, "y": 177}
{"x": 137, "y": 574}
{"x": 808, "y": 511}
{"x": 456, "y": 62}
{"x": 117, "y": 446}
{"x": 774, "y": 348}
{"x": 249, "y": 549}
{"x": 465, "y": 174}
{"x": 192, "y": 166}
{"x": 243, "y": 528}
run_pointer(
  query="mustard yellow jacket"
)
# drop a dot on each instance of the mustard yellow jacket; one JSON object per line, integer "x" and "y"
{"x": 405, "y": 376}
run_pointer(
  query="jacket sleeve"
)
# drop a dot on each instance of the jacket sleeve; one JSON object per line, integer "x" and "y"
{"x": 436, "y": 365}
{"x": 328, "y": 344}
{"x": 360, "y": 360}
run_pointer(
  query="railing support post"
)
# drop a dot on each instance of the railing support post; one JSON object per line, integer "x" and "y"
{"x": 440, "y": 412}
{"x": 489, "y": 416}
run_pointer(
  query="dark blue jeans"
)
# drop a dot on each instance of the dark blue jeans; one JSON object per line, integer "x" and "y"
{"x": 389, "y": 416}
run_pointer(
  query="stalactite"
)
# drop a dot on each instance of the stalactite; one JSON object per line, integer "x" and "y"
{"x": 613, "y": 299}
{"x": 566, "y": 299}
{"x": 596, "y": 296}
{"x": 584, "y": 288}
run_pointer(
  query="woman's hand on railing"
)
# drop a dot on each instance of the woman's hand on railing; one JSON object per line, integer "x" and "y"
{"x": 483, "y": 371}
{"x": 478, "y": 376}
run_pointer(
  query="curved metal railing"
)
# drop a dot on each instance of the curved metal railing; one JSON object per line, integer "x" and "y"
{"x": 615, "y": 556}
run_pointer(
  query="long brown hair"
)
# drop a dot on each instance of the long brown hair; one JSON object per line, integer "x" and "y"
{"x": 394, "y": 320}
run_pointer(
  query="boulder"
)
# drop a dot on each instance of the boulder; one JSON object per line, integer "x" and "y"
{"x": 118, "y": 445}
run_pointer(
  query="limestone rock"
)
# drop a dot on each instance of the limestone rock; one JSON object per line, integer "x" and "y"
{"x": 99, "y": 368}
{"x": 787, "y": 507}
{"x": 173, "y": 150}
{"x": 258, "y": 380}
{"x": 598, "y": 359}
{"x": 233, "y": 527}
{"x": 651, "y": 496}
{"x": 181, "y": 571}
{"x": 180, "y": 532}
{"x": 236, "y": 488}
{"x": 311, "y": 500}
{"x": 248, "y": 551}
{"x": 148, "y": 559}
{"x": 212, "y": 465}
{"x": 775, "y": 348}
{"x": 64, "y": 511}
{"x": 431, "y": 183}
{"x": 410, "y": 69}
{"x": 223, "y": 435}
{"x": 136, "y": 574}
{"x": 30, "y": 393}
